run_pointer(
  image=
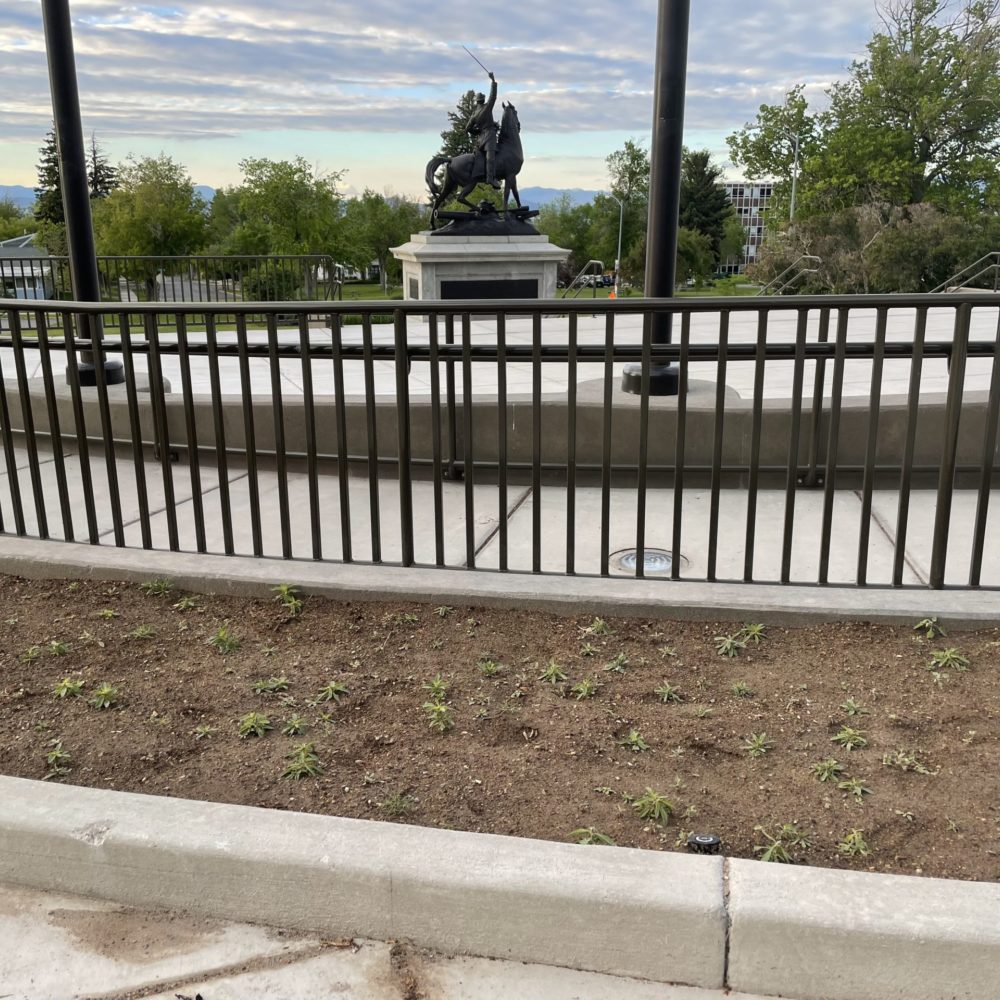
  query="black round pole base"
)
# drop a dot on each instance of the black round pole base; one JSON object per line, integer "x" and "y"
{"x": 114, "y": 373}
{"x": 663, "y": 380}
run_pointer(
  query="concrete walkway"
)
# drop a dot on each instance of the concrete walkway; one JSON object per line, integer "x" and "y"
{"x": 59, "y": 947}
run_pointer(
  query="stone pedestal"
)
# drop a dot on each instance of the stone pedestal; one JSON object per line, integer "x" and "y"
{"x": 479, "y": 267}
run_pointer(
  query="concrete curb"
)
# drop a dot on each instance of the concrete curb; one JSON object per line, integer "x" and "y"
{"x": 811, "y": 933}
{"x": 248, "y": 576}
{"x": 623, "y": 912}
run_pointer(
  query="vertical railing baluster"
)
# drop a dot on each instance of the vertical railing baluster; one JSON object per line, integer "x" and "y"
{"x": 833, "y": 445}
{"x": 55, "y": 431}
{"x": 403, "y": 455}
{"x": 609, "y": 357}
{"x": 191, "y": 431}
{"x": 680, "y": 453}
{"x": 343, "y": 464}
{"x": 760, "y": 358}
{"x": 468, "y": 450}
{"x": 717, "y": 442}
{"x": 571, "y": 393}
{"x": 449, "y": 381}
{"x": 28, "y": 425}
{"x": 949, "y": 454}
{"x": 80, "y": 427}
{"x": 536, "y": 443}
{"x": 280, "y": 452}
{"x": 10, "y": 457}
{"x": 792, "y": 475}
{"x": 871, "y": 448}
{"x": 312, "y": 462}
{"x": 986, "y": 469}
{"x": 249, "y": 434}
{"x": 640, "y": 509}
{"x": 218, "y": 415}
{"x": 502, "y": 499}
{"x": 160, "y": 421}
{"x": 816, "y": 412}
{"x": 436, "y": 457}
{"x": 370, "y": 412}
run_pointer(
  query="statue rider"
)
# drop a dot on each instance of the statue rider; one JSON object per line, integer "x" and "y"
{"x": 483, "y": 129}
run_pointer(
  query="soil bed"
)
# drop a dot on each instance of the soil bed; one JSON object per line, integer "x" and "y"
{"x": 524, "y": 756}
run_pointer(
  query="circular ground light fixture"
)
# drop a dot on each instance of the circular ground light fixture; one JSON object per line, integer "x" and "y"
{"x": 655, "y": 562}
{"x": 704, "y": 843}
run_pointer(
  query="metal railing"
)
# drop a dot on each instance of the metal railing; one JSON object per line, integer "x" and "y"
{"x": 590, "y": 271}
{"x": 792, "y": 274}
{"x": 190, "y": 279}
{"x": 988, "y": 265}
{"x": 414, "y": 443}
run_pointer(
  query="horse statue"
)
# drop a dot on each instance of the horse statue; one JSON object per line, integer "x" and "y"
{"x": 469, "y": 169}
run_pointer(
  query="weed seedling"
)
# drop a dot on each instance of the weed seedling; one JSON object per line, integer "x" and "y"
{"x": 553, "y": 673}
{"x": 294, "y": 725}
{"x": 302, "y": 762}
{"x": 588, "y": 836}
{"x": 948, "y": 659}
{"x": 827, "y": 770}
{"x": 187, "y": 603}
{"x": 107, "y": 614}
{"x": 617, "y": 665}
{"x": 488, "y": 668}
{"x": 666, "y": 651}
{"x": 850, "y": 739}
{"x": 58, "y": 760}
{"x": 729, "y": 645}
{"x": 777, "y": 847}
{"x": 757, "y": 744}
{"x": 854, "y": 786}
{"x": 703, "y": 712}
{"x": 105, "y": 696}
{"x": 741, "y": 690}
{"x": 634, "y": 742}
{"x": 587, "y": 688}
{"x": 68, "y": 688}
{"x": 333, "y": 691}
{"x": 906, "y": 760}
{"x": 270, "y": 685}
{"x": 57, "y": 648}
{"x": 444, "y": 611}
{"x": 854, "y": 844}
{"x": 224, "y": 641}
{"x": 588, "y": 649}
{"x": 930, "y": 628}
{"x": 652, "y": 805}
{"x": 597, "y": 627}
{"x": 287, "y": 595}
{"x": 31, "y": 654}
{"x": 204, "y": 732}
{"x": 156, "y": 588}
{"x": 398, "y": 805}
{"x": 751, "y": 633}
{"x": 668, "y": 693}
{"x": 852, "y": 708}
{"x": 254, "y": 724}
{"x": 143, "y": 632}
{"x": 437, "y": 688}
{"x": 439, "y": 716}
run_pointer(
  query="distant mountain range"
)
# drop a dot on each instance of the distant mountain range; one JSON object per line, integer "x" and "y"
{"x": 23, "y": 197}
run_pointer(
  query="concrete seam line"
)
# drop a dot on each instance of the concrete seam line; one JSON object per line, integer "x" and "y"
{"x": 646, "y": 914}
{"x": 556, "y": 594}
{"x": 729, "y": 922}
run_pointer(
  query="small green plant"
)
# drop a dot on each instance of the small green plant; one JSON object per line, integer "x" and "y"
{"x": 407, "y": 618}
{"x": 488, "y": 668}
{"x": 253, "y": 724}
{"x": 668, "y": 693}
{"x": 437, "y": 688}
{"x": 31, "y": 654}
{"x": 588, "y": 649}
{"x": 597, "y": 627}
{"x": 270, "y": 685}
{"x": 751, "y": 633}
{"x": 332, "y": 691}
{"x": 107, "y": 614}
{"x": 852, "y": 708}
{"x": 666, "y": 651}
{"x": 105, "y": 696}
{"x": 553, "y": 673}
{"x": 757, "y": 744}
{"x": 588, "y": 836}
{"x": 444, "y": 611}
{"x": 68, "y": 688}
{"x": 204, "y": 732}
{"x": 703, "y": 712}
{"x": 287, "y": 595}
{"x": 187, "y": 603}
{"x": 398, "y": 805}
{"x": 223, "y": 640}
{"x": 653, "y": 806}
{"x": 827, "y": 770}
{"x": 587, "y": 688}
{"x": 617, "y": 665}
{"x": 906, "y": 760}
{"x": 156, "y": 588}
{"x": 57, "y": 648}
{"x": 143, "y": 632}
{"x": 302, "y": 762}
{"x": 439, "y": 716}
{"x": 948, "y": 659}
{"x": 930, "y": 628}
{"x": 294, "y": 725}
{"x": 741, "y": 690}
{"x": 634, "y": 742}
{"x": 777, "y": 847}
{"x": 854, "y": 844}
{"x": 850, "y": 738}
{"x": 58, "y": 760}
{"x": 729, "y": 645}
{"x": 855, "y": 787}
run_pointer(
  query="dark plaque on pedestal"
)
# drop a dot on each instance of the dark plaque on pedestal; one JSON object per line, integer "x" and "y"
{"x": 485, "y": 288}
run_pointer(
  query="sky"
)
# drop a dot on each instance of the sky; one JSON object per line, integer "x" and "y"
{"x": 365, "y": 87}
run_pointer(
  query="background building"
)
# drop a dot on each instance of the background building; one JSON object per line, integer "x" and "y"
{"x": 749, "y": 200}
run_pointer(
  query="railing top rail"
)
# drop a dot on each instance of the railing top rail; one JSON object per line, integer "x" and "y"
{"x": 637, "y": 306}
{"x": 192, "y": 256}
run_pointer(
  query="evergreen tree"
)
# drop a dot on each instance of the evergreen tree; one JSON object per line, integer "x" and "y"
{"x": 48, "y": 194}
{"x": 705, "y": 206}
{"x": 102, "y": 177}
{"x": 454, "y": 139}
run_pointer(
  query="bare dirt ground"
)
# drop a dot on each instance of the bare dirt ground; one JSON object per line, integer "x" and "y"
{"x": 480, "y": 720}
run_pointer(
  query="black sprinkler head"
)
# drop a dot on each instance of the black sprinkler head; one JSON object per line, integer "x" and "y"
{"x": 704, "y": 843}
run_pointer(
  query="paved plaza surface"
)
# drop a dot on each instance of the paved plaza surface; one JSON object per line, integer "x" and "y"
{"x": 58, "y": 947}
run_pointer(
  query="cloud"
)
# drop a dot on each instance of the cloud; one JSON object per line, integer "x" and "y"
{"x": 188, "y": 69}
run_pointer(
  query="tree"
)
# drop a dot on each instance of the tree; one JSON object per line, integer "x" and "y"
{"x": 13, "y": 221}
{"x": 705, "y": 205}
{"x": 454, "y": 139}
{"x": 375, "y": 223}
{"x": 569, "y": 226}
{"x": 48, "y": 194}
{"x": 734, "y": 241}
{"x": 628, "y": 169}
{"x": 694, "y": 259}
{"x": 102, "y": 177}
